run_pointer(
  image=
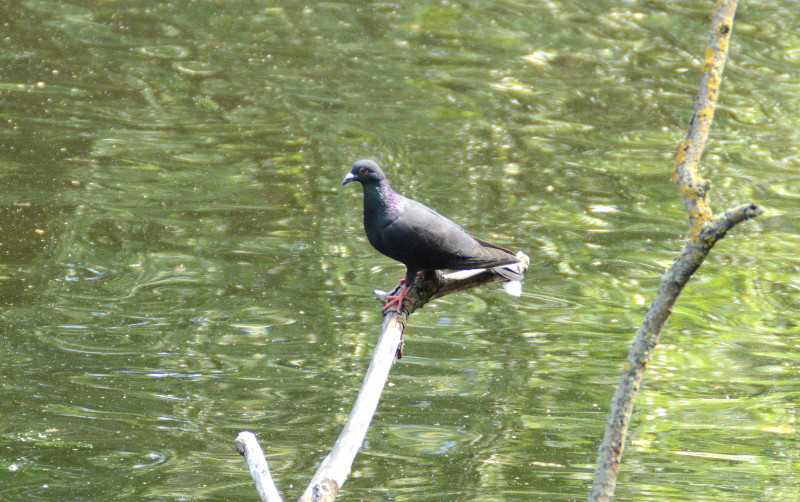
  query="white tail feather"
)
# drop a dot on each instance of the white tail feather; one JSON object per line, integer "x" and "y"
{"x": 513, "y": 288}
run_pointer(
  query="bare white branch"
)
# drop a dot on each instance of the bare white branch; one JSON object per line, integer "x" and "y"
{"x": 247, "y": 444}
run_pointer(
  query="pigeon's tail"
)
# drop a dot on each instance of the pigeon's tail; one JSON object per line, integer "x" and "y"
{"x": 514, "y": 272}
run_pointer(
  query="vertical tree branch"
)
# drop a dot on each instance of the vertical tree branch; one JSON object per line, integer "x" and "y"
{"x": 705, "y": 231}
{"x": 694, "y": 188}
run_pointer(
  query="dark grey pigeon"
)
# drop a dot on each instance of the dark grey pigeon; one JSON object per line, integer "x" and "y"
{"x": 422, "y": 239}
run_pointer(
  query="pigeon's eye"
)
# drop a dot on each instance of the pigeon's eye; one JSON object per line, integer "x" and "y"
{"x": 362, "y": 171}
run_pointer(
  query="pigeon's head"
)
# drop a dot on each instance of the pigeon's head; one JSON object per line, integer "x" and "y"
{"x": 364, "y": 171}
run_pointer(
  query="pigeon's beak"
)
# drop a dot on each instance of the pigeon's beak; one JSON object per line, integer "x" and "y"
{"x": 348, "y": 178}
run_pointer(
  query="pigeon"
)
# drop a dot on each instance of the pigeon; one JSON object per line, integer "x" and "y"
{"x": 422, "y": 239}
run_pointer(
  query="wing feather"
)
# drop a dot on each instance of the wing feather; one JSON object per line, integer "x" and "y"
{"x": 425, "y": 240}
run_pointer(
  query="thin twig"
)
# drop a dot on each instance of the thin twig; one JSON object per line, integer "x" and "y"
{"x": 705, "y": 231}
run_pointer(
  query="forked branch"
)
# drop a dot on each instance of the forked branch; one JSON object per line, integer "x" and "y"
{"x": 705, "y": 230}
{"x": 334, "y": 469}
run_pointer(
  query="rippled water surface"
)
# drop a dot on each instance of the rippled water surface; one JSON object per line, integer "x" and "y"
{"x": 179, "y": 262}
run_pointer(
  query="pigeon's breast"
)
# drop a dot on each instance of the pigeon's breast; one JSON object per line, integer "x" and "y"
{"x": 377, "y": 217}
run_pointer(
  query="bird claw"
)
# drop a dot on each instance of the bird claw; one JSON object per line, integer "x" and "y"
{"x": 397, "y": 300}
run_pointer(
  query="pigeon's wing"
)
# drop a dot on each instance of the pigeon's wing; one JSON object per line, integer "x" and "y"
{"x": 425, "y": 240}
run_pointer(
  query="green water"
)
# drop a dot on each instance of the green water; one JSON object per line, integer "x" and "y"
{"x": 179, "y": 262}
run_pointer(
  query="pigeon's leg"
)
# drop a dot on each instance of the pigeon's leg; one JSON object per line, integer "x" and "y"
{"x": 419, "y": 274}
{"x": 397, "y": 300}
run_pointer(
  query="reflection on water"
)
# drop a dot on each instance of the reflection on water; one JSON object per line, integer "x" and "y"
{"x": 179, "y": 263}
